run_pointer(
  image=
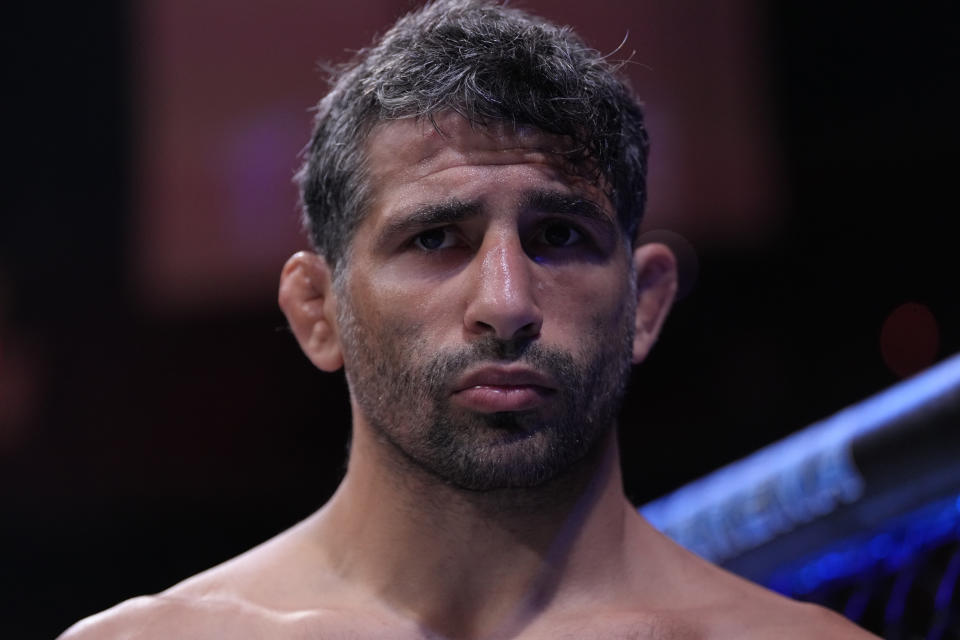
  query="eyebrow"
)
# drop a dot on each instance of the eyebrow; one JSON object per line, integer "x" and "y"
{"x": 444, "y": 212}
{"x": 561, "y": 203}
{"x": 454, "y": 210}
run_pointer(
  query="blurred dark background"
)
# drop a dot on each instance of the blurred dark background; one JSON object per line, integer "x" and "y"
{"x": 156, "y": 417}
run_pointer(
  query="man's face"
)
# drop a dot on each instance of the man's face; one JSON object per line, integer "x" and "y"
{"x": 486, "y": 313}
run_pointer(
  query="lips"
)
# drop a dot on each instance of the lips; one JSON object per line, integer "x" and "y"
{"x": 500, "y": 389}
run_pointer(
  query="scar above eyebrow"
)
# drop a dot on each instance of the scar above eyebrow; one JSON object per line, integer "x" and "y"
{"x": 426, "y": 215}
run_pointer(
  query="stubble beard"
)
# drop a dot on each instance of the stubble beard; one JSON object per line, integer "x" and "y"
{"x": 406, "y": 399}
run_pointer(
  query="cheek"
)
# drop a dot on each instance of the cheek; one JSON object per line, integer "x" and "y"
{"x": 587, "y": 297}
{"x": 399, "y": 313}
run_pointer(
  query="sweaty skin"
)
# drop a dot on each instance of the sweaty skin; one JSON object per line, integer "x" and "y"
{"x": 454, "y": 252}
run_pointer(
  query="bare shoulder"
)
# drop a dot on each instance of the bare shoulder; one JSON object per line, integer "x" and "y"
{"x": 271, "y": 592}
{"x": 786, "y": 620}
{"x": 186, "y": 610}
{"x": 697, "y": 599}
{"x": 142, "y": 617}
{"x": 810, "y": 620}
{"x": 754, "y": 612}
{"x": 166, "y": 616}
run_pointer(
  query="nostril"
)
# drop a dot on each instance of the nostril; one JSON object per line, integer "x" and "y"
{"x": 503, "y": 323}
{"x": 529, "y": 330}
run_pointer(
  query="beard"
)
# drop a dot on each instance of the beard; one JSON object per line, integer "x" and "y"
{"x": 406, "y": 399}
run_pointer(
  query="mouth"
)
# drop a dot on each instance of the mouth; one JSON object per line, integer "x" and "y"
{"x": 503, "y": 389}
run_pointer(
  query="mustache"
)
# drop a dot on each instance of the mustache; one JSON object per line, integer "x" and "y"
{"x": 446, "y": 366}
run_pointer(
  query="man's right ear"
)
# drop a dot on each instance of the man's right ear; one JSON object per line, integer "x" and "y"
{"x": 308, "y": 300}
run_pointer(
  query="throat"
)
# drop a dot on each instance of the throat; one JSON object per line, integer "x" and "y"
{"x": 472, "y": 560}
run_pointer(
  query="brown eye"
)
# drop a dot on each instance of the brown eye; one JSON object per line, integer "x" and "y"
{"x": 434, "y": 239}
{"x": 560, "y": 235}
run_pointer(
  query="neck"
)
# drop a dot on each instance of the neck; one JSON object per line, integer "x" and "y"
{"x": 474, "y": 564}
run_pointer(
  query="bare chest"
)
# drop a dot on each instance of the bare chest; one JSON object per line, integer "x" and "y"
{"x": 600, "y": 627}
{"x": 356, "y": 626}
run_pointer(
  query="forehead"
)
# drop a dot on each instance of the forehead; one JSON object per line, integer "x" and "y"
{"x": 427, "y": 142}
{"x": 418, "y": 151}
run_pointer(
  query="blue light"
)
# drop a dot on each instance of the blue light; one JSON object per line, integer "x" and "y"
{"x": 900, "y": 557}
{"x": 857, "y": 603}
{"x": 880, "y": 546}
{"x": 791, "y": 482}
{"x": 947, "y": 584}
{"x": 887, "y": 550}
{"x": 898, "y": 598}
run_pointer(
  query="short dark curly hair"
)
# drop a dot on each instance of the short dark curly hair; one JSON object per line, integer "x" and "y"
{"x": 489, "y": 63}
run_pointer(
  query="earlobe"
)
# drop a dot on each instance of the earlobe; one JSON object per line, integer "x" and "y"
{"x": 655, "y": 269}
{"x": 309, "y": 303}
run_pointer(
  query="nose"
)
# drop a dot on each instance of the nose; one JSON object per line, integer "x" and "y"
{"x": 503, "y": 295}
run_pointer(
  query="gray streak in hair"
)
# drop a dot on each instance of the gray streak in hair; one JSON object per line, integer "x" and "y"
{"x": 489, "y": 63}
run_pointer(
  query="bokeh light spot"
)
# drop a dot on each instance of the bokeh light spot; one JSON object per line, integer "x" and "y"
{"x": 909, "y": 339}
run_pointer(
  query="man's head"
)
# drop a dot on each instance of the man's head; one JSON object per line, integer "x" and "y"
{"x": 478, "y": 281}
{"x": 490, "y": 64}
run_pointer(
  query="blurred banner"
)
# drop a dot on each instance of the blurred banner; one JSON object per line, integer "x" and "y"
{"x": 224, "y": 97}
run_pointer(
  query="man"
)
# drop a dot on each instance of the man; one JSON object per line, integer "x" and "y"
{"x": 473, "y": 190}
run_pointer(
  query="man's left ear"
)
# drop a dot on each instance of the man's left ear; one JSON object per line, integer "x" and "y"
{"x": 655, "y": 270}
